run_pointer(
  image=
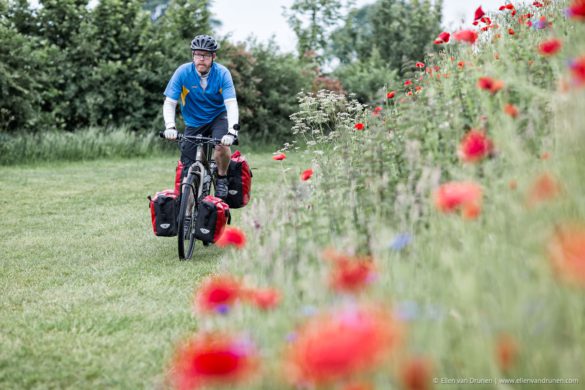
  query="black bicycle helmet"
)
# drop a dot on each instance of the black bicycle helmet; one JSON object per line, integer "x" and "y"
{"x": 205, "y": 43}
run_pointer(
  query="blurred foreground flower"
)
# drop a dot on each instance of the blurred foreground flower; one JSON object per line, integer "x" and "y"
{"x": 279, "y": 157}
{"x": 349, "y": 274}
{"x": 442, "y": 38}
{"x": 550, "y": 47}
{"x": 511, "y": 110}
{"x": 464, "y": 196}
{"x": 306, "y": 174}
{"x": 352, "y": 275}
{"x": 506, "y": 352}
{"x": 401, "y": 241}
{"x": 577, "y": 67}
{"x": 544, "y": 188}
{"x": 416, "y": 374}
{"x": 217, "y": 293}
{"x": 567, "y": 253}
{"x": 391, "y": 94}
{"x": 358, "y": 126}
{"x": 213, "y": 358}
{"x": 478, "y": 13}
{"x": 265, "y": 299}
{"x": 490, "y": 84}
{"x": 232, "y": 236}
{"x": 341, "y": 344}
{"x": 475, "y": 146}
{"x": 577, "y": 10}
{"x": 469, "y": 36}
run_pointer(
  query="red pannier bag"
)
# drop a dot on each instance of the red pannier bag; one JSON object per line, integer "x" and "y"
{"x": 212, "y": 216}
{"x": 163, "y": 212}
{"x": 239, "y": 181}
{"x": 179, "y": 177}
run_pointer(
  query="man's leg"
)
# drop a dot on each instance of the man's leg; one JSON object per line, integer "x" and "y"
{"x": 222, "y": 158}
{"x": 222, "y": 155}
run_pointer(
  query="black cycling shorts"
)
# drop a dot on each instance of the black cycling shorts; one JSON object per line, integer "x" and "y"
{"x": 217, "y": 128}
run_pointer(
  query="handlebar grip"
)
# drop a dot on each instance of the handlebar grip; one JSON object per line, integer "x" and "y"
{"x": 161, "y": 134}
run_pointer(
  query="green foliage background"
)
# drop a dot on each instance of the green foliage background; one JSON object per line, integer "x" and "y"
{"x": 69, "y": 67}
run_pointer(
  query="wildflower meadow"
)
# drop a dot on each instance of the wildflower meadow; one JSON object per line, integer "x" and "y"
{"x": 433, "y": 239}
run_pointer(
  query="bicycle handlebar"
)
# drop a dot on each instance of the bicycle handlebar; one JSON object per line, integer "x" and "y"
{"x": 197, "y": 138}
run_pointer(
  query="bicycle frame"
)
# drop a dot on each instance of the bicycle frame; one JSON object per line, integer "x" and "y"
{"x": 203, "y": 166}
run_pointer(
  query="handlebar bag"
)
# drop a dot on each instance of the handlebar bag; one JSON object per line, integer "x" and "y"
{"x": 164, "y": 208}
{"x": 212, "y": 216}
{"x": 239, "y": 181}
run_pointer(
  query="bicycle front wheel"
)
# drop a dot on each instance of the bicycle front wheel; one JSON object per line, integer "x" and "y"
{"x": 187, "y": 217}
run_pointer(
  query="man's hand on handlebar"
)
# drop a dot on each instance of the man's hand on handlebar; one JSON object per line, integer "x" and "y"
{"x": 171, "y": 134}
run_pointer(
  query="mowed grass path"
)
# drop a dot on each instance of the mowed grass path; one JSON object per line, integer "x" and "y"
{"x": 90, "y": 297}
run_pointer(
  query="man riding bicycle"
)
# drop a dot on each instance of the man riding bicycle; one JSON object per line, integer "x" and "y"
{"x": 208, "y": 105}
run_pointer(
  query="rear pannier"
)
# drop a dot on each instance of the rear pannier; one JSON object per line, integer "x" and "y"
{"x": 240, "y": 181}
{"x": 212, "y": 216}
{"x": 164, "y": 208}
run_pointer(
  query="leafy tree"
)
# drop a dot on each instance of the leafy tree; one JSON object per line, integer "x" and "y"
{"x": 309, "y": 19}
{"x": 401, "y": 30}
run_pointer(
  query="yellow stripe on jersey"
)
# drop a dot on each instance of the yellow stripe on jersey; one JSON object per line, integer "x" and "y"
{"x": 184, "y": 95}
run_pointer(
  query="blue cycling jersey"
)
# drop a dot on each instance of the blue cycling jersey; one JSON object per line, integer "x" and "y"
{"x": 200, "y": 106}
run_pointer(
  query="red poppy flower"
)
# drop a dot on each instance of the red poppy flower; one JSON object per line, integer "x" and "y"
{"x": 391, "y": 94}
{"x": 486, "y": 20}
{"x": 377, "y": 110}
{"x": 469, "y": 36}
{"x": 306, "y": 175}
{"x": 264, "y": 299}
{"x": 211, "y": 359}
{"x": 478, "y": 13}
{"x": 216, "y": 293}
{"x": 550, "y": 47}
{"x": 538, "y": 4}
{"x": 359, "y": 126}
{"x": 464, "y": 196}
{"x": 341, "y": 344}
{"x": 509, "y": 6}
{"x": 577, "y": 67}
{"x": 543, "y": 189}
{"x": 502, "y": 7}
{"x": 489, "y": 84}
{"x": 511, "y": 31}
{"x": 407, "y": 83}
{"x": 577, "y": 10}
{"x": 420, "y": 65}
{"x": 416, "y": 374}
{"x": 231, "y": 236}
{"x": 506, "y": 352}
{"x": 461, "y": 64}
{"x": 279, "y": 157}
{"x": 350, "y": 274}
{"x": 442, "y": 38}
{"x": 475, "y": 146}
{"x": 409, "y": 93}
{"x": 511, "y": 110}
{"x": 566, "y": 251}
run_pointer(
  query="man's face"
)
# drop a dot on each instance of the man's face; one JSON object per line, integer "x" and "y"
{"x": 203, "y": 60}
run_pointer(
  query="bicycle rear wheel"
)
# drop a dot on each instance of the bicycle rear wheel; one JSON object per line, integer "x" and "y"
{"x": 187, "y": 217}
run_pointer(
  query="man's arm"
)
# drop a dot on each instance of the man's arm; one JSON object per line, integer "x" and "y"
{"x": 169, "y": 112}
{"x": 231, "y": 106}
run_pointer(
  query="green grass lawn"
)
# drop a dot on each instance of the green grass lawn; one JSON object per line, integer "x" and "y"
{"x": 90, "y": 297}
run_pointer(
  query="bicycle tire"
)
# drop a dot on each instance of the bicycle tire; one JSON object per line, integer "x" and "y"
{"x": 187, "y": 217}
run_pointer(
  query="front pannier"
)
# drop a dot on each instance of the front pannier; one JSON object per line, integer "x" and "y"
{"x": 239, "y": 181}
{"x": 164, "y": 208}
{"x": 212, "y": 216}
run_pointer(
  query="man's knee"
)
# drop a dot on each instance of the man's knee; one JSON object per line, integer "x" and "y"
{"x": 222, "y": 150}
